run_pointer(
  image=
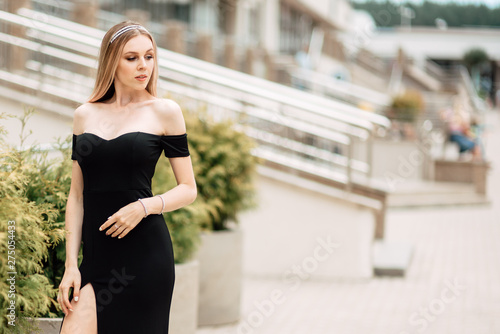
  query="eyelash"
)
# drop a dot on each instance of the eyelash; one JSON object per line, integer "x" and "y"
{"x": 133, "y": 58}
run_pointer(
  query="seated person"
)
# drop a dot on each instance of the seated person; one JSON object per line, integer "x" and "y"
{"x": 459, "y": 131}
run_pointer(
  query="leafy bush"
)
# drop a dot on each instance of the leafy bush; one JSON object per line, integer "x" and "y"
{"x": 475, "y": 57}
{"x": 407, "y": 106}
{"x": 183, "y": 223}
{"x": 36, "y": 230}
{"x": 49, "y": 184}
{"x": 224, "y": 168}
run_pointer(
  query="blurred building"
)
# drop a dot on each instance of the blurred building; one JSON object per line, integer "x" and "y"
{"x": 241, "y": 34}
{"x": 326, "y": 137}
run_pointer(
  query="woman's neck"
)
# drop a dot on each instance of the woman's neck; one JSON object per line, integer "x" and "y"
{"x": 124, "y": 98}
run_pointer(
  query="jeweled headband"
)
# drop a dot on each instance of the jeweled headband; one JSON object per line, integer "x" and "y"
{"x": 125, "y": 29}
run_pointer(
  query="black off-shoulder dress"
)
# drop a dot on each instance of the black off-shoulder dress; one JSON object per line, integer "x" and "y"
{"x": 132, "y": 277}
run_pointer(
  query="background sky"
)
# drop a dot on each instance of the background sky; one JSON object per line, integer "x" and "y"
{"x": 490, "y": 3}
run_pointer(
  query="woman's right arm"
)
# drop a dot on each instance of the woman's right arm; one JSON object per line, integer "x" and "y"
{"x": 73, "y": 226}
{"x": 74, "y": 217}
{"x": 74, "y": 221}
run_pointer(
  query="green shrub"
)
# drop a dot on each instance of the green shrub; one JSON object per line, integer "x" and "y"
{"x": 224, "y": 168}
{"x": 182, "y": 223}
{"x": 474, "y": 57}
{"x": 36, "y": 230}
{"x": 50, "y": 184}
{"x": 407, "y": 106}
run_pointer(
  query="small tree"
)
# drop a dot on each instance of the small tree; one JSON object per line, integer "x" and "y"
{"x": 474, "y": 59}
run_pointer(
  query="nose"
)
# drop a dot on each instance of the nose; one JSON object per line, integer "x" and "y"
{"x": 142, "y": 63}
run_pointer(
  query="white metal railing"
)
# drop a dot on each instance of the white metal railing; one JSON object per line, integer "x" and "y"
{"x": 209, "y": 72}
{"x": 52, "y": 35}
{"x": 396, "y": 79}
{"x": 434, "y": 69}
{"x": 325, "y": 85}
{"x": 293, "y": 127}
{"x": 476, "y": 102}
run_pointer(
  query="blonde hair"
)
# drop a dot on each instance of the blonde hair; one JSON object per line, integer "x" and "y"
{"x": 109, "y": 56}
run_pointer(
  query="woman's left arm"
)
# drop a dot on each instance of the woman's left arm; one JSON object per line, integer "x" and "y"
{"x": 181, "y": 195}
{"x": 170, "y": 116}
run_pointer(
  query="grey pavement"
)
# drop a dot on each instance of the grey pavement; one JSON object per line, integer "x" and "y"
{"x": 452, "y": 285}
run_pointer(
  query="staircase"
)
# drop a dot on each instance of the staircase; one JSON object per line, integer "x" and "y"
{"x": 317, "y": 139}
{"x": 317, "y": 143}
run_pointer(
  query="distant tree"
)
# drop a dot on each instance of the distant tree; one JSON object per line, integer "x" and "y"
{"x": 387, "y": 14}
{"x": 475, "y": 57}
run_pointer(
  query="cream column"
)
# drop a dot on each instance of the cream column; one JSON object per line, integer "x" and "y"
{"x": 15, "y": 55}
{"x": 85, "y": 12}
{"x": 241, "y": 30}
{"x": 270, "y": 27}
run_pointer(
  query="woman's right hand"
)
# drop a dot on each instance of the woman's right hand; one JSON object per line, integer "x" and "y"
{"x": 71, "y": 278}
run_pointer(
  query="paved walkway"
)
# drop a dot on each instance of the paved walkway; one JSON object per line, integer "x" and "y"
{"x": 452, "y": 286}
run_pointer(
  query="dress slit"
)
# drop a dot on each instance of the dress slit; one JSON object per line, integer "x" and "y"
{"x": 95, "y": 301}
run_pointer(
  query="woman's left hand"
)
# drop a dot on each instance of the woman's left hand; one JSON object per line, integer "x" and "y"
{"x": 124, "y": 220}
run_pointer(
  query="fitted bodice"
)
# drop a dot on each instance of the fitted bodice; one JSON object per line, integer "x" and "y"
{"x": 126, "y": 162}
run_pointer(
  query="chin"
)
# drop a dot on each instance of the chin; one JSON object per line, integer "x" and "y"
{"x": 141, "y": 85}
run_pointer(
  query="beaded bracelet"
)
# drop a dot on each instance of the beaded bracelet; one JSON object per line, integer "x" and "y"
{"x": 163, "y": 204}
{"x": 145, "y": 210}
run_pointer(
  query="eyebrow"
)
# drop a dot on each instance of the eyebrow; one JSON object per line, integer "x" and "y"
{"x": 135, "y": 52}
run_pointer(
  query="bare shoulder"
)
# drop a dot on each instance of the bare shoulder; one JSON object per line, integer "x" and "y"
{"x": 80, "y": 116}
{"x": 84, "y": 109}
{"x": 166, "y": 108}
{"x": 170, "y": 116}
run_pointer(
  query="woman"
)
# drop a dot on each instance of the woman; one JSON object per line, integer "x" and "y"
{"x": 125, "y": 281}
{"x": 460, "y": 131}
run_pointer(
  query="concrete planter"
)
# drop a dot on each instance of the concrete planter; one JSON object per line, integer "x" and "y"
{"x": 220, "y": 255}
{"x": 474, "y": 172}
{"x": 48, "y": 325}
{"x": 184, "y": 311}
